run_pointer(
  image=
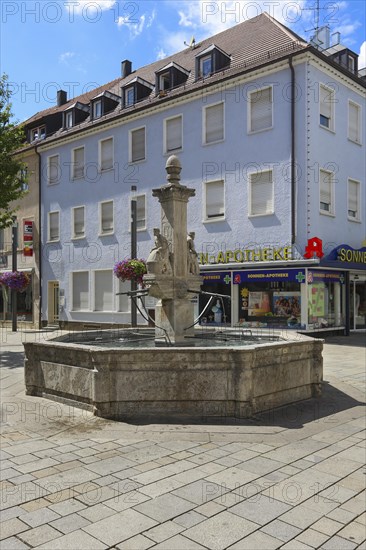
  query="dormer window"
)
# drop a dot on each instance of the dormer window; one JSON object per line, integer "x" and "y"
{"x": 68, "y": 119}
{"x": 103, "y": 104}
{"x": 134, "y": 91}
{"x": 129, "y": 96}
{"x": 169, "y": 77}
{"x": 97, "y": 109}
{"x": 75, "y": 114}
{"x": 210, "y": 61}
{"x": 38, "y": 133}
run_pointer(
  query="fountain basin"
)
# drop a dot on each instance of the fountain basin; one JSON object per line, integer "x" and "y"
{"x": 175, "y": 383}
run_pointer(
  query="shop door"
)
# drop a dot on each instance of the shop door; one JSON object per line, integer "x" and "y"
{"x": 358, "y": 304}
{"x": 53, "y": 301}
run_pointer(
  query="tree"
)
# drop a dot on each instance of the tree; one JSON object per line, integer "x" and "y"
{"x": 11, "y": 168}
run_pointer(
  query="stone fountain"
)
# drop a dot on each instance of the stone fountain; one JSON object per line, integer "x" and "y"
{"x": 230, "y": 377}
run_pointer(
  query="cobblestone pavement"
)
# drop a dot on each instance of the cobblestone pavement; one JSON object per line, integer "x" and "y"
{"x": 292, "y": 478}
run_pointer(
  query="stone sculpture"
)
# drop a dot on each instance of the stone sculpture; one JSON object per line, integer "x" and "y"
{"x": 192, "y": 256}
{"x": 158, "y": 261}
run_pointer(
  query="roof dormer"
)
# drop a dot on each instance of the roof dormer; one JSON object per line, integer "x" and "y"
{"x": 134, "y": 91}
{"x": 103, "y": 104}
{"x": 210, "y": 61}
{"x": 75, "y": 114}
{"x": 168, "y": 77}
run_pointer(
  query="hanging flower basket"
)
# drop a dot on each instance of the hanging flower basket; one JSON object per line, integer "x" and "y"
{"x": 130, "y": 270}
{"x": 15, "y": 280}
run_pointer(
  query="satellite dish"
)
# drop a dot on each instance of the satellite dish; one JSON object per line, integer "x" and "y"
{"x": 191, "y": 44}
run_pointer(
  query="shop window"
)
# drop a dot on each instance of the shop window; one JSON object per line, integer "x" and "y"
{"x": 213, "y": 123}
{"x": 53, "y": 169}
{"x": 78, "y": 163}
{"x": 137, "y": 145}
{"x": 78, "y": 222}
{"x": 260, "y": 110}
{"x": 326, "y": 192}
{"x": 173, "y": 134}
{"x": 80, "y": 290}
{"x": 325, "y": 299}
{"x": 106, "y": 154}
{"x": 24, "y": 303}
{"x": 103, "y": 290}
{"x": 326, "y": 103}
{"x": 106, "y": 218}
{"x": 214, "y": 200}
{"x": 354, "y": 122}
{"x": 53, "y": 226}
{"x": 261, "y": 193}
{"x": 353, "y": 200}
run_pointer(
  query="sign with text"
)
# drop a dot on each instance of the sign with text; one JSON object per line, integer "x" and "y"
{"x": 28, "y": 238}
{"x": 265, "y": 276}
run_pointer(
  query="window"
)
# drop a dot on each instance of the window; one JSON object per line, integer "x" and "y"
{"x": 53, "y": 226}
{"x": 353, "y": 200}
{"x": 80, "y": 290}
{"x": 260, "y": 110}
{"x": 326, "y": 96}
{"x": 38, "y": 133}
{"x": 354, "y": 122}
{"x": 214, "y": 200}
{"x": 106, "y": 154}
{"x": 213, "y": 123}
{"x": 106, "y": 218}
{"x": 164, "y": 81}
{"x": 326, "y": 192}
{"x": 53, "y": 170}
{"x": 261, "y": 193}
{"x": 78, "y": 163}
{"x": 78, "y": 222}
{"x": 68, "y": 119}
{"x": 173, "y": 134}
{"x": 129, "y": 96}
{"x": 137, "y": 145}
{"x": 141, "y": 212}
{"x": 97, "y": 109}
{"x": 103, "y": 290}
{"x": 206, "y": 65}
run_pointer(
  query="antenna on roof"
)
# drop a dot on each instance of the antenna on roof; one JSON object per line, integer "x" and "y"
{"x": 191, "y": 44}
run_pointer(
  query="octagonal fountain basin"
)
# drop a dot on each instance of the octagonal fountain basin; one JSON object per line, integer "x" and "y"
{"x": 131, "y": 379}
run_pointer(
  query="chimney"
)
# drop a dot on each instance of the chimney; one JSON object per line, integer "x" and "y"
{"x": 61, "y": 98}
{"x": 126, "y": 68}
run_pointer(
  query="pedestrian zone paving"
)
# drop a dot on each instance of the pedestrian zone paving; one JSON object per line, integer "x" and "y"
{"x": 292, "y": 478}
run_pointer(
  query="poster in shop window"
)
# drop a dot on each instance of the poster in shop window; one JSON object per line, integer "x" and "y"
{"x": 287, "y": 304}
{"x": 258, "y": 304}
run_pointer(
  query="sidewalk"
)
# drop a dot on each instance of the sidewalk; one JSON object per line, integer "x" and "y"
{"x": 292, "y": 478}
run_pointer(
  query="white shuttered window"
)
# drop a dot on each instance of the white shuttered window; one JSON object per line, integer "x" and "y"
{"x": 53, "y": 169}
{"x": 214, "y": 200}
{"x": 54, "y": 226}
{"x": 261, "y": 193}
{"x": 173, "y": 134}
{"x": 103, "y": 290}
{"x": 80, "y": 290}
{"x": 326, "y": 192}
{"x": 141, "y": 211}
{"x": 326, "y": 100}
{"x": 137, "y": 145}
{"x": 353, "y": 199}
{"x": 106, "y": 217}
{"x": 354, "y": 122}
{"x": 78, "y": 163}
{"x": 78, "y": 222}
{"x": 106, "y": 154}
{"x": 214, "y": 123}
{"x": 261, "y": 110}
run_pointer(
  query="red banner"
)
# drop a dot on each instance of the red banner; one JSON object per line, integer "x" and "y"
{"x": 28, "y": 238}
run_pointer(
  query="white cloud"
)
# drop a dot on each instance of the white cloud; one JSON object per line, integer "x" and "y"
{"x": 362, "y": 54}
{"x": 92, "y": 7}
{"x": 136, "y": 28}
{"x": 161, "y": 54}
{"x": 64, "y": 57}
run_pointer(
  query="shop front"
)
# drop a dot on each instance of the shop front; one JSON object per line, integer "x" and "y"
{"x": 25, "y": 310}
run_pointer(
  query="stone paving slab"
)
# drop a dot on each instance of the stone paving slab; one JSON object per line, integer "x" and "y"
{"x": 291, "y": 479}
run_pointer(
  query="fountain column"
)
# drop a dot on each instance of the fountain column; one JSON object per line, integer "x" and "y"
{"x": 171, "y": 271}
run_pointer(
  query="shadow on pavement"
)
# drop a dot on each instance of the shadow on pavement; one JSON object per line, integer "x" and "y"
{"x": 12, "y": 359}
{"x": 357, "y": 340}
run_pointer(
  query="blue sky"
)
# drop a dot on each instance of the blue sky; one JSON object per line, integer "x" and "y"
{"x": 77, "y": 45}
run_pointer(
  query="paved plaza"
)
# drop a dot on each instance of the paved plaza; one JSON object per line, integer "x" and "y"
{"x": 293, "y": 478}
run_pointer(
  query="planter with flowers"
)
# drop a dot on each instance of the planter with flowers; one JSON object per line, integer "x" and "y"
{"x": 15, "y": 280}
{"x": 130, "y": 270}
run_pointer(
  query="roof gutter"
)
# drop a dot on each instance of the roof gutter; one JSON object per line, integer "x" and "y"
{"x": 293, "y": 152}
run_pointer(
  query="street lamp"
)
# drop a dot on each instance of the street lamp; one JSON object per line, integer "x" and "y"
{"x": 14, "y": 250}
{"x": 133, "y": 251}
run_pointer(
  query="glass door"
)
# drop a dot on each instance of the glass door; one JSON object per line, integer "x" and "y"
{"x": 358, "y": 303}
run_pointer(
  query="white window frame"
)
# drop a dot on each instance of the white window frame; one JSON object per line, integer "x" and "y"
{"x": 74, "y": 174}
{"x": 250, "y": 111}
{"x": 49, "y": 239}
{"x": 94, "y": 291}
{"x": 168, "y": 151}
{"x": 142, "y": 227}
{"x": 207, "y": 218}
{"x": 203, "y": 60}
{"x": 359, "y": 122}
{"x": 72, "y": 289}
{"x": 97, "y": 109}
{"x": 75, "y": 235}
{"x": 204, "y": 123}
{"x": 356, "y": 218}
{"x": 68, "y": 119}
{"x": 131, "y": 132}
{"x": 107, "y": 232}
{"x": 164, "y": 78}
{"x": 331, "y": 211}
{"x": 268, "y": 212}
{"x": 100, "y": 149}
{"x": 52, "y": 181}
{"x": 331, "y": 101}
{"x": 127, "y": 92}
{"x": 38, "y": 133}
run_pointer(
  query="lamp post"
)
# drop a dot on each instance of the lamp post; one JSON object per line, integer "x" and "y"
{"x": 14, "y": 250}
{"x": 133, "y": 250}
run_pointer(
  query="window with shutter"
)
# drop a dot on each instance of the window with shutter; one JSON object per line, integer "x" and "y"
{"x": 353, "y": 199}
{"x": 214, "y": 200}
{"x": 78, "y": 222}
{"x": 106, "y": 217}
{"x": 261, "y": 193}
{"x": 103, "y": 290}
{"x": 326, "y": 102}
{"x": 260, "y": 105}
{"x": 137, "y": 145}
{"x": 53, "y": 226}
{"x": 326, "y": 192}
{"x": 354, "y": 122}
{"x": 106, "y": 154}
{"x": 78, "y": 163}
{"x": 214, "y": 123}
{"x": 173, "y": 134}
{"x": 80, "y": 290}
{"x": 53, "y": 169}
{"x": 141, "y": 212}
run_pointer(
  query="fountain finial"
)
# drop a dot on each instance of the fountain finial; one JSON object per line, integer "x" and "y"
{"x": 173, "y": 168}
